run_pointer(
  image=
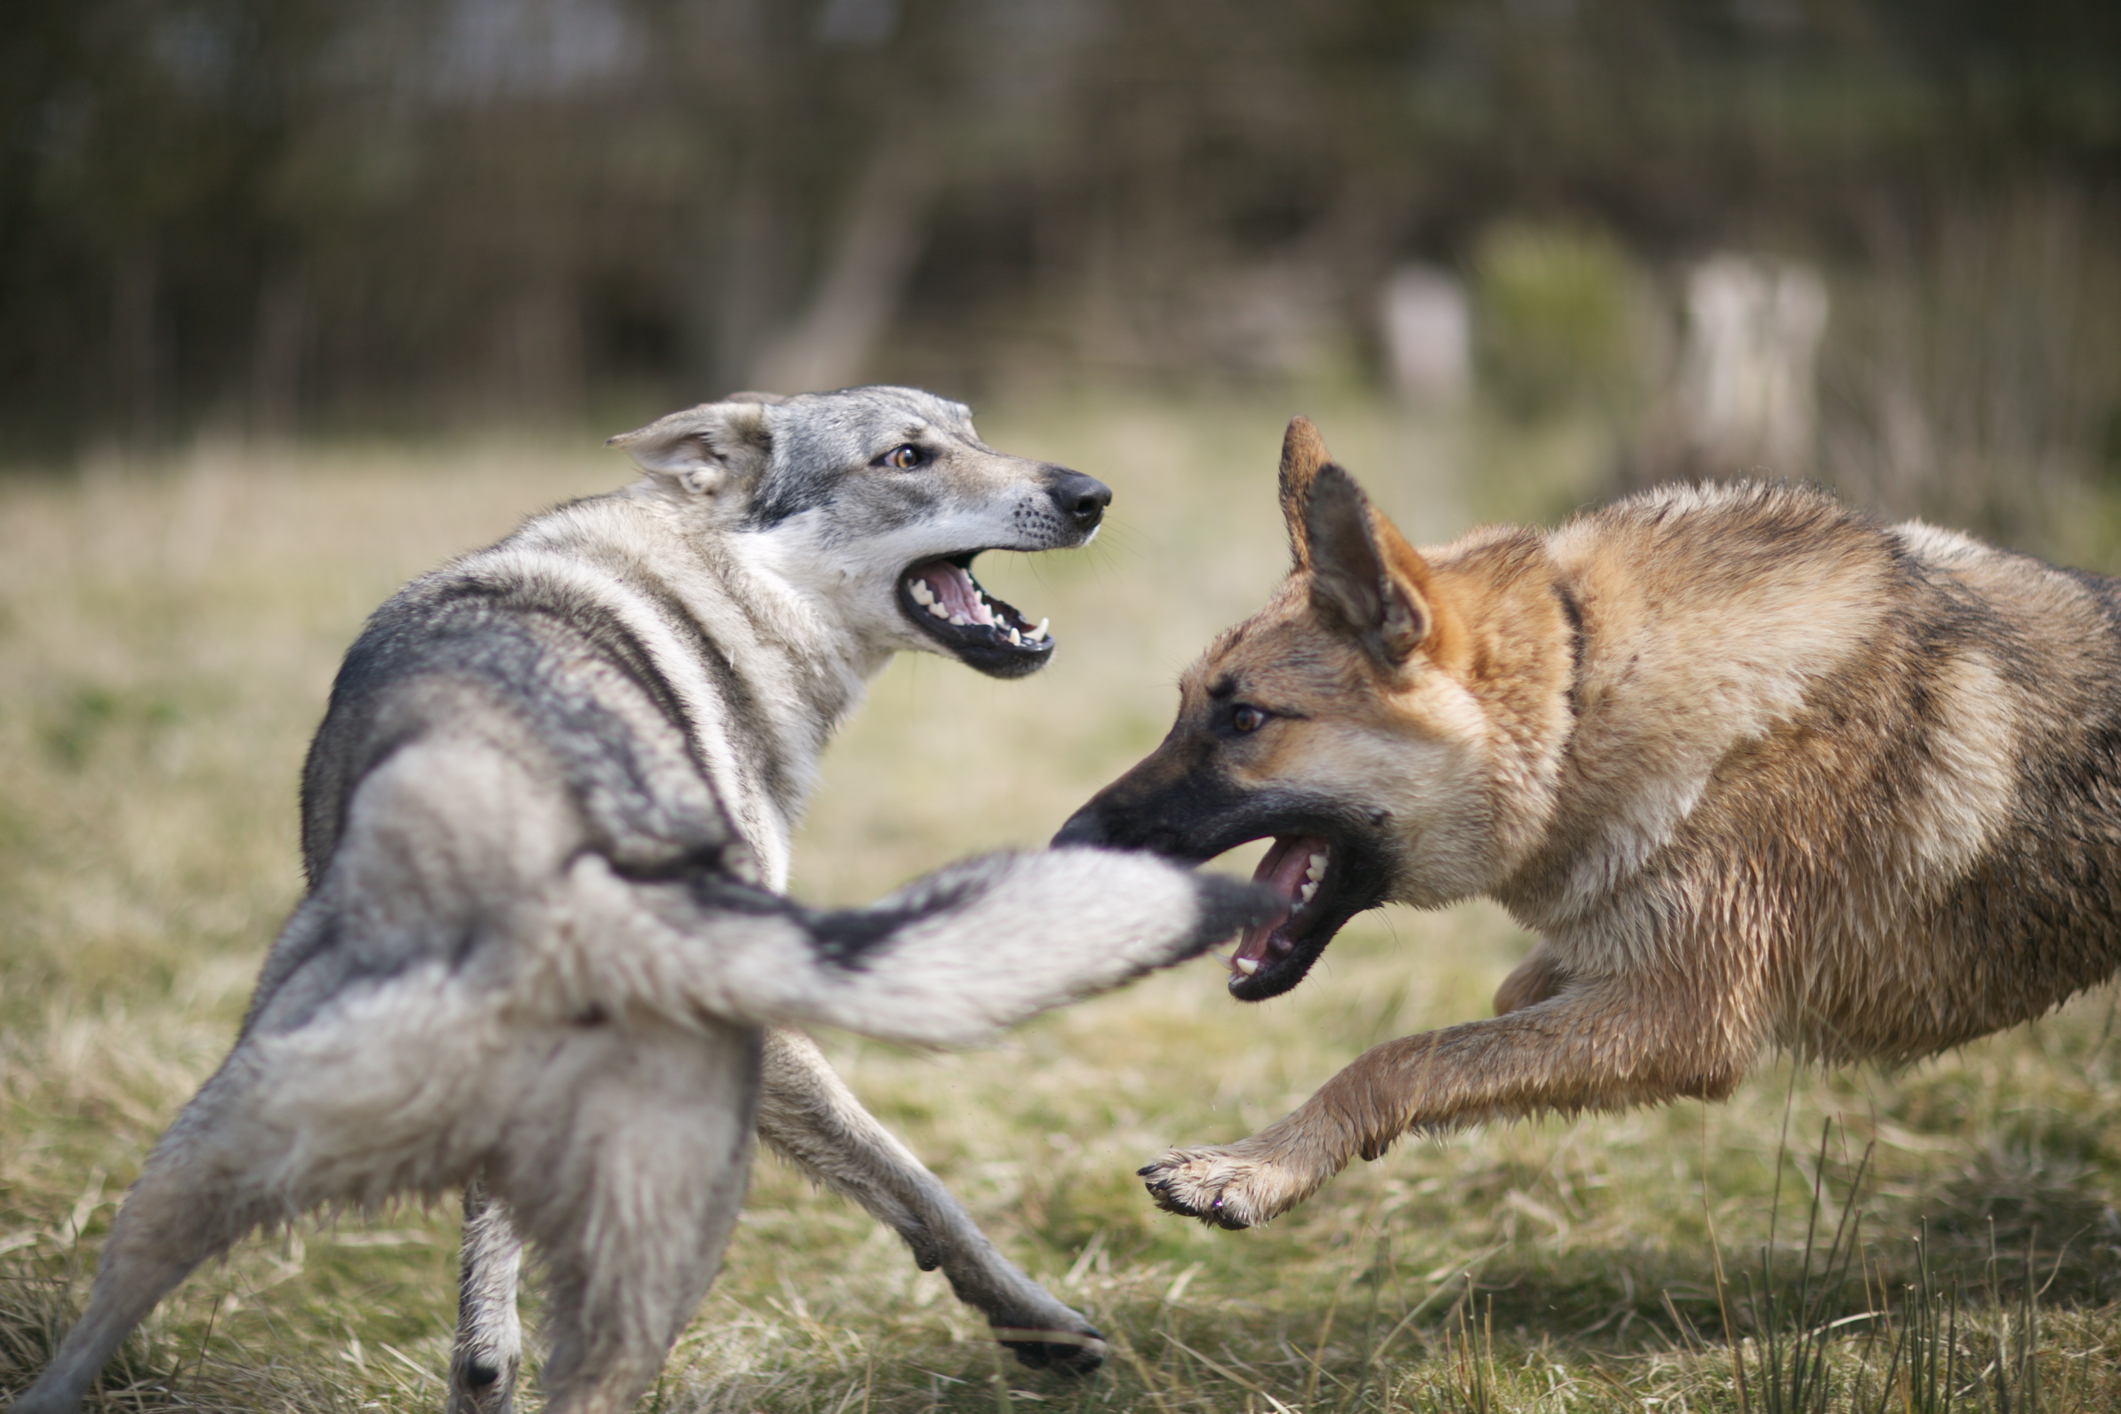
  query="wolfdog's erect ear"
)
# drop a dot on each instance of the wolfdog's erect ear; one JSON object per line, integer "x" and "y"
{"x": 1363, "y": 573}
{"x": 706, "y": 448}
{"x": 1303, "y": 452}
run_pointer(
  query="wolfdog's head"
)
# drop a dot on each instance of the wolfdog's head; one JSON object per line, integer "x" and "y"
{"x": 875, "y": 501}
{"x": 1374, "y": 720}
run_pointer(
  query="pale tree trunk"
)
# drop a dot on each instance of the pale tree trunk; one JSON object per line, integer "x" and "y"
{"x": 736, "y": 299}
{"x": 829, "y": 345}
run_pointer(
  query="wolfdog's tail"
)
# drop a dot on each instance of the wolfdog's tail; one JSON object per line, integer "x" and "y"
{"x": 948, "y": 960}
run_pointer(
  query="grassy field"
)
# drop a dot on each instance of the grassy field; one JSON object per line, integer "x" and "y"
{"x": 167, "y": 637}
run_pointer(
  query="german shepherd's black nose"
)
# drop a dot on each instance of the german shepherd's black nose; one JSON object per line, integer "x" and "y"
{"x": 1082, "y": 499}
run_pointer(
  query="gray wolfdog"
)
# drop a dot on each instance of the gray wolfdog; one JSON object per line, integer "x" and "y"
{"x": 545, "y": 823}
{"x": 1758, "y": 771}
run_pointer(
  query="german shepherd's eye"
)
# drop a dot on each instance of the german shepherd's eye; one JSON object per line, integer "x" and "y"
{"x": 901, "y": 458}
{"x": 1247, "y": 718}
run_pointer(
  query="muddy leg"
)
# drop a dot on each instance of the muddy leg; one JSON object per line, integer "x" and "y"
{"x": 1601, "y": 1045}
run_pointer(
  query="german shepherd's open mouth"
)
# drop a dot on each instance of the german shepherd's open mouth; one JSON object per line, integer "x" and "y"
{"x": 1327, "y": 863}
{"x": 980, "y": 631}
{"x": 1322, "y": 882}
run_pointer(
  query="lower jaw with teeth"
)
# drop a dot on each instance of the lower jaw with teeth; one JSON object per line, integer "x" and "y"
{"x": 1294, "y": 868}
{"x": 970, "y": 608}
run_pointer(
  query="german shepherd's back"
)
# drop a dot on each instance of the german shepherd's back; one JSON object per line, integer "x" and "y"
{"x": 1889, "y": 754}
{"x": 1757, "y": 769}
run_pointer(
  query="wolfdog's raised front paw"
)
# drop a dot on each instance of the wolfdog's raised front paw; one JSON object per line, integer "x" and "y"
{"x": 1226, "y": 1186}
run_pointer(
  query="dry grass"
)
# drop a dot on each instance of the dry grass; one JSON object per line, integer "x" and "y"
{"x": 168, "y": 633}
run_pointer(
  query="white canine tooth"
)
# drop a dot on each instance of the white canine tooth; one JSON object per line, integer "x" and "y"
{"x": 1245, "y": 965}
{"x": 1040, "y": 631}
{"x": 1304, "y": 893}
{"x": 1317, "y": 870}
{"x": 1016, "y": 638}
{"x": 939, "y": 611}
{"x": 922, "y": 594}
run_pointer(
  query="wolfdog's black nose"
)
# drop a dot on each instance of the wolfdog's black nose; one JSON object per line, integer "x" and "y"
{"x": 1082, "y": 499}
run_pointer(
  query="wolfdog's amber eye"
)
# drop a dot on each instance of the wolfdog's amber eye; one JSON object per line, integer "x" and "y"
{"x": 1248, "y": 719}
{"x": 902, "y": 457}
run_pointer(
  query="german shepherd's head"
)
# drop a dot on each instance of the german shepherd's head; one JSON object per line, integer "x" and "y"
{"x": 1392, "y": 722}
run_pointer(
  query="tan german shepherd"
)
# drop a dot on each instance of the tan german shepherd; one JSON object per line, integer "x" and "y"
{"x": 1757, "y": 769}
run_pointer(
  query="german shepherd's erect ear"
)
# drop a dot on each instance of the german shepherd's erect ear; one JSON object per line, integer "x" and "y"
{"x": 1354, "y": 576}
{"x": 1364, "y": 575}
{"x": 1303, "y": 454}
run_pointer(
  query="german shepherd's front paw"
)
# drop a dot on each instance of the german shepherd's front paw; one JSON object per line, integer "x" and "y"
{"x": 1223, "y": 1186}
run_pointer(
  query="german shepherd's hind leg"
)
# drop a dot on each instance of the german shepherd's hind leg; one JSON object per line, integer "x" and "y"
{"x": 808, "y": 1116}
{"x": 1534, "y": 980}
{"x": 204, "y": 1186}
{"x": 1597, "y": 1045}
{"x": 488, "y": 1353}
{"x": 626, "y": 1178}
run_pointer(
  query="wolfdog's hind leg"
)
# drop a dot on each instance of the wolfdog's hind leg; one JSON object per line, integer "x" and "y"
{"x": 489, "y": 1344}
{"x": 199, "y": 1191}
{"x": 629, "y": 1201}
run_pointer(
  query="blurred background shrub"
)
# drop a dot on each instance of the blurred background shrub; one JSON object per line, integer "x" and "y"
{"x": 1556, "y": 321}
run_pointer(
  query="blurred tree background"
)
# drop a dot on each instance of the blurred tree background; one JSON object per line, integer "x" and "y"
{"x": 320, "y": 216}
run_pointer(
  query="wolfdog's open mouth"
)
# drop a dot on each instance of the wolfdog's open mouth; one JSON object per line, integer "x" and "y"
{"x": 980, "y": 631}
{"x": 1273, "y": 956}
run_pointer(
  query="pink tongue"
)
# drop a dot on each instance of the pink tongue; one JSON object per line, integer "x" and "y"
{"x": 953, "y": 590}
{"x": 1282, "y": 870}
